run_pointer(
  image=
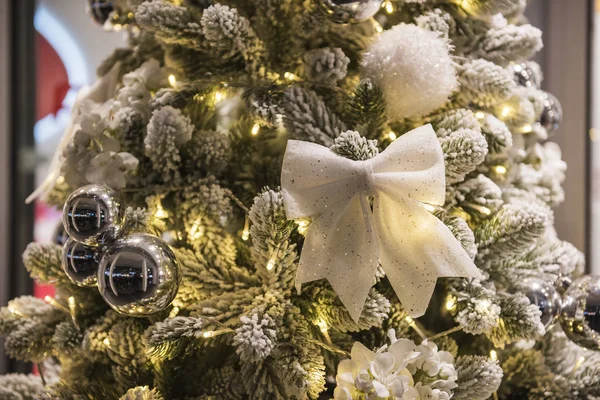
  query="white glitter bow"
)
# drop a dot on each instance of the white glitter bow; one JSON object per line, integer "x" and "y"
{"x": 347, "y": 239}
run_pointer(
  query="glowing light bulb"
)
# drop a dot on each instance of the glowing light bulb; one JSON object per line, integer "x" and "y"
{"x": 174, "y": 312}
{"x": 218, "y": 96}
{"x": 450, "y": 303}
{"x": 246, "y": 232}
{"x": 480, "y": 115}
{"x": 289, "y": 76}
{"x": 428, "y": 207}
{"x": 255, "y": 129}
{"x": 500, "y": 169}
{"x": 302, "y": 226}
{"x": 377, "y": 26}
{"x": 60, "y": 180}
{"x": 392, "y": 135}
{"x": 48, "y": 299}
{"x": 409, "y": 320}
{"x": 493, "y": 355}
{"x": 484, "y": 210}
{"x": 580, "y": 361}
{"x": 527, "y": 128}
{"x": 322, "y": 325}
{"x": 160, "y": 212}
{"x": 106, "y": 342}
{"x": 505, "y": 111}
{"x": 197, "y": 230}
{"x": 117, "y": 27}
{"x": 208, "y": 334}
{"x": 270, "y": 265}
{"x": 389, "y": 7}
{"x": 172, "y": 80}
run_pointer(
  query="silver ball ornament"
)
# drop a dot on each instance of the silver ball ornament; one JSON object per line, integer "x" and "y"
{"x": 552, "y": 113}
{"x": 138, "y": 275}
{"x": 544, "y": 295}
{"x": 92, "y": 215}
{"x": 580, "y": 315}
{"x": 350, "y": 11}
{"x": 100, "y": 10}
{"x": 526, "y": 75}
{"x": 80, "y": 263}
{"x": 60, "y": 235}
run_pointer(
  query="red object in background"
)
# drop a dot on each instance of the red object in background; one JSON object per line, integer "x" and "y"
{"x": 52, "y": 79}
{"x": 52, "y": 87}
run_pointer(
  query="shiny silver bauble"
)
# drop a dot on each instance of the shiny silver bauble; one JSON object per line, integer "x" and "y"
{"x": 80, "y": 263}
{"x": 350, "y": 11}
{"x": 527, "y": 74}
{"x": 543, "y": 295}
{"x": 552, "y": 113}
{"x": 92, "y": 215}
{"x": 138, "y": 275}
{"x": 100, "y": 10}
{"x": 580, "y": 315}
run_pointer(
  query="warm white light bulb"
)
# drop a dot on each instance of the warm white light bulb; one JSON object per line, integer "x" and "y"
{"x": 172, "y": 80}
{"x": 500, "y": 169}
{"x": 255, "y": 129}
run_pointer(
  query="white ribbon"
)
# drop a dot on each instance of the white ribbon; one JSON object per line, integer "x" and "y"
{"x": 347, "y": 240}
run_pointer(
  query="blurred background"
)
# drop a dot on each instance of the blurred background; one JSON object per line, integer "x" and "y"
{"x": 50, "y": 48}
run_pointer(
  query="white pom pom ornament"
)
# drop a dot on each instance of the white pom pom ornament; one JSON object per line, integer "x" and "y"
{"x": 413, "y": 68}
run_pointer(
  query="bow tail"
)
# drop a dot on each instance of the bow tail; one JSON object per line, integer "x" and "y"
{"x": 416, "y": 249}
{"x": 341, "y": 247}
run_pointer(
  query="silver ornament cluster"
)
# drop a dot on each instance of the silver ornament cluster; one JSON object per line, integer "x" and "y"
{"x": 580, "y": 314}
{"x": 350, "y": 11}
{"x": 137, "y": 275}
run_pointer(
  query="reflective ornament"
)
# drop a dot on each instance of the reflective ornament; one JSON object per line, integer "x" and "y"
{"x": 552, "y": 114}
{"x": 139, "y": 275}
{"x": 92, "y": 215}
{"x": 60, "y": 235}
{"x": 580, "y": 315}
{"x": 349, "y": 11}
{"x": 80, "y": 263}
{"x": 100, "y": 10}
{"x": 527, "y": 75}
{"x": 562, "y": 284}
{"x": 544, "y": 296}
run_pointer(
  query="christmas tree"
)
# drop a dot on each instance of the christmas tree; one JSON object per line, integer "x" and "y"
{"x": 198, "y": 178}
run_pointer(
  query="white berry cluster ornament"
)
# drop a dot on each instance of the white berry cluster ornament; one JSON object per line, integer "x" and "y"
{"x": 413, "y": 68}
{"x": 137, "y": 275}
{"x": 350, "y": 11}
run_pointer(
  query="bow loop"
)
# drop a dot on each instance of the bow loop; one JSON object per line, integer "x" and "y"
{"x": 347, "y": 240}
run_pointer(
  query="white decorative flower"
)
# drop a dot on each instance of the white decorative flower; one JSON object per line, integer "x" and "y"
{"x": 150, "y": 74}
{"x": 110, "y": 168}
{"x": 400, "y": 371}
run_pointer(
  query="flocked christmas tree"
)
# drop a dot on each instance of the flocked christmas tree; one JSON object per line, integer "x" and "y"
{"x": 185, "y": 228}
